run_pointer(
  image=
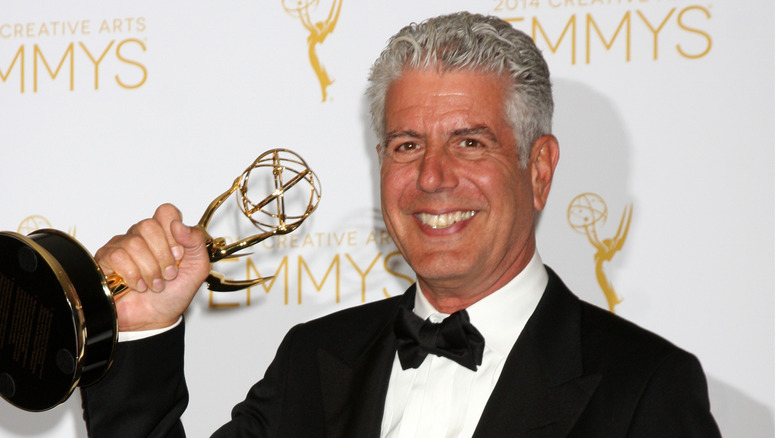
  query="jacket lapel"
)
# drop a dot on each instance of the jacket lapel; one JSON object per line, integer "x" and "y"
{"x": 355, "y": 377}
{"x": 542, "y": 390}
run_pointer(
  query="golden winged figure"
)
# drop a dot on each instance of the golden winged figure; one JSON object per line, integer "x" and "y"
{"x": 585, "y": 211}
{"x": 318, "y": 31}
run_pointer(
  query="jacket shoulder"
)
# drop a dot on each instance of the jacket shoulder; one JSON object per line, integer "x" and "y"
{"x": 657, "y": 388}
{"x": 348, "y": 331}
{"x": 609, "y": 338}
{"x": 357, "y": 317}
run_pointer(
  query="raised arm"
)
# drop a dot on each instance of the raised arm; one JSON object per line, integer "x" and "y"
{"x": 163, "y": 262}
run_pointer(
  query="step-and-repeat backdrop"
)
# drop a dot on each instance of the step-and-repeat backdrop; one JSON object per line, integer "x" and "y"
{"x": 664, "y": 112}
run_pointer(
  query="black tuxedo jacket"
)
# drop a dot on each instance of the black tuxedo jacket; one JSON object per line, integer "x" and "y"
{"x": 575, "y": 371}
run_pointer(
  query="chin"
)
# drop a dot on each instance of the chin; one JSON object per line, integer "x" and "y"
{"x": 438, "y": 268}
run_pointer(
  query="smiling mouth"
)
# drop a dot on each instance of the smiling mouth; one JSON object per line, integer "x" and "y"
{"x": 437, "y": 221}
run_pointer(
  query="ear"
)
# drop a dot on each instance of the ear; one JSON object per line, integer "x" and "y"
{"x": 544, "y": 158}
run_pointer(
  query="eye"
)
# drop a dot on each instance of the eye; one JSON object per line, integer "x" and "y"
{"x": 404, "y": 151}
{"x": 470, "y": 143}
{"x": 406, "y": 147}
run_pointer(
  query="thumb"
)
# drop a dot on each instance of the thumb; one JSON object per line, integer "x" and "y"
{"x": 190, "y": 241}
{"x": 190, "y": 251}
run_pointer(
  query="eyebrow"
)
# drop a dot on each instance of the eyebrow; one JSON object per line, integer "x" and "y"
{"x": 476, "y": 130}
{"x": 395, "y": 134}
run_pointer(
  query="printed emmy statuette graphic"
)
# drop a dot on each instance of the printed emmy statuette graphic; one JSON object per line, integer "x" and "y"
{"x": 318, "y": 31}
{"x": 586, "y": 212}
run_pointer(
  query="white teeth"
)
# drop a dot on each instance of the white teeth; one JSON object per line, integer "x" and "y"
{"x": 444, "y": 220}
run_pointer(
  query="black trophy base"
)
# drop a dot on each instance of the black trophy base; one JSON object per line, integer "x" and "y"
{"x": 58, "y": 325}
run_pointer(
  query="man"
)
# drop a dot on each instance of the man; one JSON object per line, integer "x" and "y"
{"x": 462, "y": 107}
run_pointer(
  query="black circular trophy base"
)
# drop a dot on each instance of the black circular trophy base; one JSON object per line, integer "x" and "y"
{"x": 58, "y": 324}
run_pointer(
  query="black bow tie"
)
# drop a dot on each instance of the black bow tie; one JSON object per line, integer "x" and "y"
{"x": 455, "y": 338}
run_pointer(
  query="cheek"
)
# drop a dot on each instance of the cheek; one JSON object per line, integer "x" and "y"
{"x": 395, "y": 183}
{"x": 509, "y": 191}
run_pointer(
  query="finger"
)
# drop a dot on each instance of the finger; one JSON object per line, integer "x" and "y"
{"x": 165, "y": 215}
{"x": 147, "y": 243}
{"x": 114, "y": 257}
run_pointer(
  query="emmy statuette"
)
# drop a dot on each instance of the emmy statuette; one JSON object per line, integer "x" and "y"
{"x": 58, "y": 321}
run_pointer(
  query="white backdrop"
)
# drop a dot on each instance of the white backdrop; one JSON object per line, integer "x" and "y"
{"x": 663, "y": 105}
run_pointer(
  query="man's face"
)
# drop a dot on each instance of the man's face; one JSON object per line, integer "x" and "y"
{"x": 454, "y": 197}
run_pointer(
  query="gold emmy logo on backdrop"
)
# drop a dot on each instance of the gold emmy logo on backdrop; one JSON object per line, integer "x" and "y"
{"x": 32, "y": 223}
{"x": 585, "y": 212}
{"x": 37, "y": 222}
{"x": 318, "y": 31}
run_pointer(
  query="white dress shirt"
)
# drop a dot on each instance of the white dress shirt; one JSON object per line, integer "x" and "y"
{"x": 442, "y": 399}
{"x": 143, "y": 334}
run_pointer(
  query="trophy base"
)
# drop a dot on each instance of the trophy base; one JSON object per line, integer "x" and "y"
{"x": 58, "y": 324}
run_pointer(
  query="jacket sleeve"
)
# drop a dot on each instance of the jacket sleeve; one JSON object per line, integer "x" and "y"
{"x": 675, "y": 402}
{"x": 144, "y": 392}
{"x": 271, "y": 408}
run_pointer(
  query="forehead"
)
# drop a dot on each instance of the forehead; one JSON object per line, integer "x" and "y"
{"x": 465, "y": 96}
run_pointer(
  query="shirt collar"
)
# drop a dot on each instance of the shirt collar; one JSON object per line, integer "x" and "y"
{"x": 502, "y": 315}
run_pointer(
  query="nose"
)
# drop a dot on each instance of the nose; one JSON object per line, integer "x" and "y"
{"x": 437, "y": 170}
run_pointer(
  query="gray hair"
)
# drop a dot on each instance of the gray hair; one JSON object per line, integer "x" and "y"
{"x": 465, "y": 41}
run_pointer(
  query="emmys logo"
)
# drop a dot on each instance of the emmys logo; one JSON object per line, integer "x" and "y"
{"x": 642, "y": 33}
{"x": 586, "y": 211}
{"x": 35, "y": 222}
{"x": 318, "y": 31}
{"x": 73, "y": 54}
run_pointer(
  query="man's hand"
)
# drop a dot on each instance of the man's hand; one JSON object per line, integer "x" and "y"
{"x": 163, "y": 262}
